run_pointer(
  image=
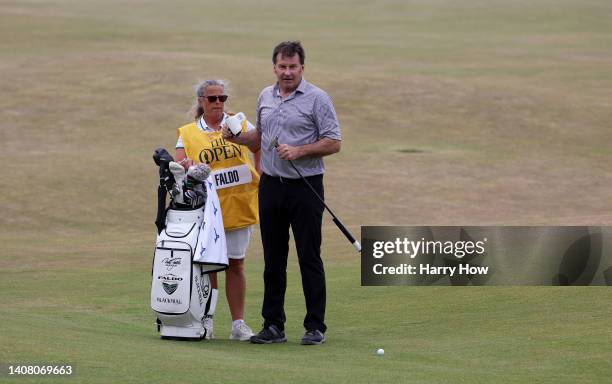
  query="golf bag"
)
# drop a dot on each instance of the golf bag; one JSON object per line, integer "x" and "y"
{"x": 181, "y": 293}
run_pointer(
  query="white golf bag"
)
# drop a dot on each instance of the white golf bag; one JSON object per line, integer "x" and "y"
{"x": 190, "y": 244}
{"x": 180, "y": 293}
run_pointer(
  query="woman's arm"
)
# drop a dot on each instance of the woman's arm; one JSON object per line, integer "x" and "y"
{"x": 181, "y": 157}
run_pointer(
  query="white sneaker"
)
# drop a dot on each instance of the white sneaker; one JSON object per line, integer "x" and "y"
{"x": 241, "y": 332}
{"x": 207, "y": 323}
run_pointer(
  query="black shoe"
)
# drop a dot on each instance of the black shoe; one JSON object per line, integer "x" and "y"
{"x": 269, "y": 335}
{"x": 315, "y": 337}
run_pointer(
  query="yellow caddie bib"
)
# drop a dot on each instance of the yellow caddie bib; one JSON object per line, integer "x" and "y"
{"x": 232, "y": 170}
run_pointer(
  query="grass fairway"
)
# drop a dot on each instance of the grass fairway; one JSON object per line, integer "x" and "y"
{"x": 453, "y": 113}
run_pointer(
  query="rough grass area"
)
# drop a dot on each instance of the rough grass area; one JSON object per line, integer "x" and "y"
{"x": 471, "y": 112}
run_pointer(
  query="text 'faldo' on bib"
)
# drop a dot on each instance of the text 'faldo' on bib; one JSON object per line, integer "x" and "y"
{"x": 229, "y": 177}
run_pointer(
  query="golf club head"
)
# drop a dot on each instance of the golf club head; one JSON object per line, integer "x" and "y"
{"x": 194, "y": 198}
{"x": 176, "y": 193}
{"x": 194, "y": 192}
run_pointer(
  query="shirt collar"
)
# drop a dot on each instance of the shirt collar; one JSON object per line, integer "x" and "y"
{"x": 301, "y": 88}
{"x": 202, "y": 124}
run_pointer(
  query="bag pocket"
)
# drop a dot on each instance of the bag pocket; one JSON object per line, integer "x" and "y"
{"x": 171, "y": 277}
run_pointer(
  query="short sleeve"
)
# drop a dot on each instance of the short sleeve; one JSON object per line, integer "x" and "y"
{"x": 325, "y": 117}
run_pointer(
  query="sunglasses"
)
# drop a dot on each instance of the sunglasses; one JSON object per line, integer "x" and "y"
{"x": 212, "y": 99}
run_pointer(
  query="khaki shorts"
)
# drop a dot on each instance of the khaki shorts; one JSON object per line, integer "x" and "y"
{"x": 238, "y": 241}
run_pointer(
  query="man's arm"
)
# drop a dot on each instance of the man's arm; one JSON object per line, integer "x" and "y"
{"x": 251, "y": 139}
{"x": 323, "y": 147}
{"x": 327, "y": 127}
{"x": 257, "y": 160}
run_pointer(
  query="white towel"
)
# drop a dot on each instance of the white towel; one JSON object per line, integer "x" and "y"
{"x": 211, "y": 250}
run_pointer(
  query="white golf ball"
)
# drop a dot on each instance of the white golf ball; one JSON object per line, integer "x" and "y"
{"x": 380, "y": 352}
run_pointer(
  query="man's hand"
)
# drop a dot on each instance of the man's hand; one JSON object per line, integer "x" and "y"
{"x": 288, "y": 152}
{"x": 323, "y": 147}
{"x": 226, "y": 133}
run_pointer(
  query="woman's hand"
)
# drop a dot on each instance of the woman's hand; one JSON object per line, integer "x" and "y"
{"x": 186, "y": 163}
{"x": 181, "y": 157}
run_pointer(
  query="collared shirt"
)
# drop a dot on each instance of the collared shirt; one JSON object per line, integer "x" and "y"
{"x": 305, "y": 116}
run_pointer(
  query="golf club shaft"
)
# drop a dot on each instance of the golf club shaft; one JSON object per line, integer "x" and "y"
{"x": 337, "y": 221}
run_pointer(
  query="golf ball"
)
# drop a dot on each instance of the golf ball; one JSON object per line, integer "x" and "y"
{"x": 380, "y": 352}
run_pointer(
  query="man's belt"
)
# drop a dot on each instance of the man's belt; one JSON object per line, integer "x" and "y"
{"x": 286, "y": 180}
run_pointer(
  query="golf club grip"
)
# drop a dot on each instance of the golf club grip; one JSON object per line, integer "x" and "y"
{"x": 347, "y": 234}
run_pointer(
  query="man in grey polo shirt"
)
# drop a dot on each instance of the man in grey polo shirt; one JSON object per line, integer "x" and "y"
{"x": 301, "y": 119}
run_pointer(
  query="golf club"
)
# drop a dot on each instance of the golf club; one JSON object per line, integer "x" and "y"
{"x": 337, "y": 221}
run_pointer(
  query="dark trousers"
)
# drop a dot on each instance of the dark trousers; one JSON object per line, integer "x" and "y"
{"x": 284, "y": 203}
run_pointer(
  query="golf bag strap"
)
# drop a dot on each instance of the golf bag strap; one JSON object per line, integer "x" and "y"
{"x": 211, "y": 304}
{"x": 160, "y": 220}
